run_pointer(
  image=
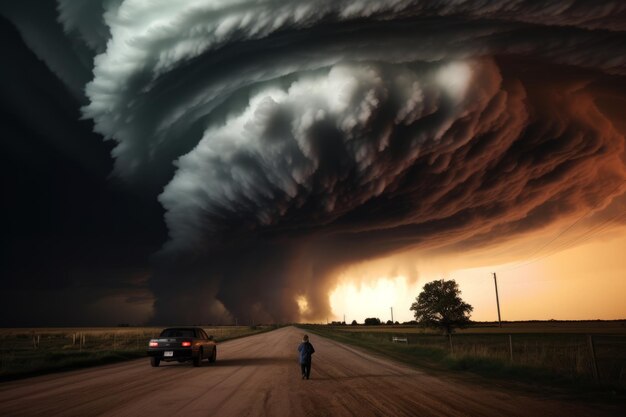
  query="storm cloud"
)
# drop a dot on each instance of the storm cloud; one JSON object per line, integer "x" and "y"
{"x": 287, "y": 139}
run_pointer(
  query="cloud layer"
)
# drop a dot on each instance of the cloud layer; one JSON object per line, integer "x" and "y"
{"x": 295, "y": 137}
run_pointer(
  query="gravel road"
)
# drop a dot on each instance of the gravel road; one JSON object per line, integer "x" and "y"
{"x": 259, "y": 376}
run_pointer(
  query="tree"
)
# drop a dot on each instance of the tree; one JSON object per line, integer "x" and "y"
{"x": 372, "y": 321}
{"x": 439, "y": 305}
{"x": 354, "y": 323}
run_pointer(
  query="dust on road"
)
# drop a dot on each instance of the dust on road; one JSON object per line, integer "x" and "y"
{"x": 260, "y": 376}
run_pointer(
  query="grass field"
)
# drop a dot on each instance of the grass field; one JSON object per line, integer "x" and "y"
{"x": 26, "y": 352}
{"x": 615, "y": 327}
{"x": 547, "y": 351}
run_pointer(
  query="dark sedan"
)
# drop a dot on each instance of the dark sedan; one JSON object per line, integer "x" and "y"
{"x": 182, "y": 344}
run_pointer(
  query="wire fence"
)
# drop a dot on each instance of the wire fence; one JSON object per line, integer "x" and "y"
{"x": 600, "y": 358}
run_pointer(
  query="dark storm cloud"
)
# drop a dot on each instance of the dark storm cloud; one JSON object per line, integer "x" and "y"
{"x": 295, "y": 137}
{"x": 70, "y": 236}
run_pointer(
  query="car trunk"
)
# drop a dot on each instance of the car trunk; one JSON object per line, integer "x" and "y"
{"x": 171, "y": 342}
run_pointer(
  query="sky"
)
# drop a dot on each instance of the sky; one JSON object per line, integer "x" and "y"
{"x": 213, "y": 161}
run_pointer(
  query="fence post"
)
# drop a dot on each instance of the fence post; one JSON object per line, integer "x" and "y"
{"x": 594, "y": 363}
{"x": 511, "y": 347}
{"x": 451, "y": 348}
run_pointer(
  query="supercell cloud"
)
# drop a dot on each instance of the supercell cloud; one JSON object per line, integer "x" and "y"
{"x": 287, "y": 139}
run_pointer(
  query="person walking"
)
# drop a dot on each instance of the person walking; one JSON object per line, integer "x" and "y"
{"x": 306, "y": 350}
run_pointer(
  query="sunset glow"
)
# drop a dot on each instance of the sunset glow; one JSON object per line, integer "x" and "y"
{"x": 585, "y": 282}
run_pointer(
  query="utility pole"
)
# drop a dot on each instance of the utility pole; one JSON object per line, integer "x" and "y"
{"x": 344, "y": 319}
{"x": 391, "y": 315}
{"x": 495, "y": 281}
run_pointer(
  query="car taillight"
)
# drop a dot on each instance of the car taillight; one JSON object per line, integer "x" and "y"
{"x": 153, "y": 344}
{"x": 186, "y": 344}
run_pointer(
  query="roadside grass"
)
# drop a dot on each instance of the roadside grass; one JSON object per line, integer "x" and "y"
{"x": 607, "y": 327}
{"x": 38, "y": 351}
{"x": 557, "y": 361}
{"x": 16, "y": 366}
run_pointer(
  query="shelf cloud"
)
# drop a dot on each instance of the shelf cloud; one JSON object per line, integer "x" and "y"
{"x": 287, "y": 139}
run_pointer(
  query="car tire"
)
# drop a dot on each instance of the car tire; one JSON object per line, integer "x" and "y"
{"x": 154, "y": 361}
{"x": 213, "y": 357}
{"x": 198, "y": 358}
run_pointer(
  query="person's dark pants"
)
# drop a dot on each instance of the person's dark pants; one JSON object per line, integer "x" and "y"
{"x": 306, "y": 369}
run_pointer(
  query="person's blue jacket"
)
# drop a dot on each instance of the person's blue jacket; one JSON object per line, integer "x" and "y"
{"x": 306, "y": 350}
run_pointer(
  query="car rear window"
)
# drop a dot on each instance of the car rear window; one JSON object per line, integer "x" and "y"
{"x": 177, "y": 333}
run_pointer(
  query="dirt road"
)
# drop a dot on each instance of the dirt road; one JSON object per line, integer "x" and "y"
{"x": 259, "y": 376}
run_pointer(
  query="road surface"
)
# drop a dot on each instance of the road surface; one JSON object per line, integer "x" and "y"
{"x": 260, "y": 376}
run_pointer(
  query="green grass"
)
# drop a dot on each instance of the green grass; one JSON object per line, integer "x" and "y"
{"x": 24, "y": 365}
{"x": 552, "y": 361}
{"x": 30, "y": 352}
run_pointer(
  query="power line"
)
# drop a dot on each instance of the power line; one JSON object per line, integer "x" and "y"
{"x": 570, "y": 243}
{"x": 562, "y": 232}
{"x": 597, "y": 229}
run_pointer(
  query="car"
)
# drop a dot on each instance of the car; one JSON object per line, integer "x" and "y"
{"x": 182, "y": 344}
